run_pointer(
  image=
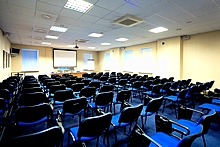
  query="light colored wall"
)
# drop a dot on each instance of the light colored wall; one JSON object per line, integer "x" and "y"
{"x": 201, "y": 58}
{"x": 168, "y": 58}
{"x": 197, "y": 58}
{"x": 46, "y": 59}
{"x": 4, "y": 45}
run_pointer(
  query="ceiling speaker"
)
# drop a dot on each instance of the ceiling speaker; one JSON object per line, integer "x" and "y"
{"x": 185, "y": 37}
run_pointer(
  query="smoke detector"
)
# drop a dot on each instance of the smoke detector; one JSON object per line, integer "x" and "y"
{"x": 128, "y": 20}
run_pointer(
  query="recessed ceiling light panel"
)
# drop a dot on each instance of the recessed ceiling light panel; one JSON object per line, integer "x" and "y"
{"x": 58, "y": 29}
{"x": 78, "y": 5}
{"x": 46, "y": 43}
{"x": 91, "y": 47}
{"x": 95, "y": 35}
{"x": 105, "y": 43}
{"x": 51, "y": 37}
{"x": 158, "y": 30}
{"x": 122, "y": 39}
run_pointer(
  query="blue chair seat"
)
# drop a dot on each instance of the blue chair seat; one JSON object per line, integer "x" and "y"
{"x": 210, "y": 106}
{"x": 44, "y": 119}
{"x": 71, "y": 114}
{"x": 172, "y": 97}
{"x": 162, "y": 139}
{"x": 93, "y": 105}
{"x": 217, "y": 101}
{"x": 74, "y": 131}
{"x": 190, "y": 125}
{"x": 143, "y": 112}
{"x": 115, "y": 119}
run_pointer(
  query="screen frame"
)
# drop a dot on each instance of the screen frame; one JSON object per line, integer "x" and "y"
{"x": 67, "y": 50}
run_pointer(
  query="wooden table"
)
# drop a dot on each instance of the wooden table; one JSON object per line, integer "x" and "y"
{"x": 78, "y": 74}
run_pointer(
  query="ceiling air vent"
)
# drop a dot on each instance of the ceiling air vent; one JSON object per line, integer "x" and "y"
{"x": 128, "y": 20}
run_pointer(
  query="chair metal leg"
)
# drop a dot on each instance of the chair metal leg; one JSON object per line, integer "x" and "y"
{"x": 115, "y": 135}
{"x": 203, "y": 138}
{"x": 142, "y": 121}
{"x": 164, "y": 105}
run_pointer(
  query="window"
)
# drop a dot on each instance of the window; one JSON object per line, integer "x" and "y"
{"x": 86, "y": 62}
{"x": 128, "y": 60}
{"x": 107, "y": 61}
{"x": 30, "y": 60}
{"x": 146, "y": 60}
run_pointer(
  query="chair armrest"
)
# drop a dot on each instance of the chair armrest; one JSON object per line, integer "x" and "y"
{"x": 179, "y": 131}
{"x": 186, "y": 113}
{"x": 59, "y": 121}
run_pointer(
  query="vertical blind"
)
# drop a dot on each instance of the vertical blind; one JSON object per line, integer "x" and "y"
{"x": 107, "y": 61}
{"x": 146, "y": 60}
{"x": 128, "y": 60}
{"x": 30, "y": 60}
{"x": 86, "y": 64}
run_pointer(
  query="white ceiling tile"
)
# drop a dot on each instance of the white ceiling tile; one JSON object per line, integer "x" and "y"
{"x": 98, "y": 11}
{"x": 128, "y": 9}
{"x": 217, "y": 2}
{"x": 65, "y": 20}
{"x": 169, "y": 12}
{"x": 112, "y": 16}
{"x": 196, "y": 4}
{"x": 49, "y": 8}
{"x": 2, "y": 1}
{"x": 160, "y": 7}
{"x": 16, "y": 16}
{"x": 205, "y": 10}
{"x": 60, "y": 3}
{"x": 141, "y": 3}
{"x": 82, "y": 23}
{"x": 21, "y": 10}
{"x": 23, "y": 3}
{"x": 114, "y": 4}
{"x": 70, "y": 13}
{"x": 4, "y": 7}
{"x": 103, "y": 22}
{"x": 89, "y": 18}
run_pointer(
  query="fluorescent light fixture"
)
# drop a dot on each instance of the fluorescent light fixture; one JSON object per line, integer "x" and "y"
{"x": 51, "y": 37}
{"x": 105, "y": 43}
{"x": 121, "y": 39}
{"x": 71, "y": 45}
{"x": 95, "y": 35}
{"x": 158, "y": 30}
{"x": 91, "y": 47}
{"x": 78, "y": 5}
{"x": 58, "y": 29}
{"x": 46, "y": 43}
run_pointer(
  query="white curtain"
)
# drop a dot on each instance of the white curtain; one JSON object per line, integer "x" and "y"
{"x": 30, "y": 60}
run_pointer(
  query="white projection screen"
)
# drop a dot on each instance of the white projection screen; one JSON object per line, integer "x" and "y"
{"x": 64, "y": 58}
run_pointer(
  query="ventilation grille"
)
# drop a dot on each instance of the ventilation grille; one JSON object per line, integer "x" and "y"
{"x": 128, "y": 20}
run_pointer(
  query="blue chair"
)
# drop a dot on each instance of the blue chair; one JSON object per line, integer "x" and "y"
{"x": 91, "y": 128}
{"x": 185, "y": 119}
{"x": 122, "y": 96}
{"x": 73, "y": 107}
{"x": 161, "y": 139}
{"x": 51, "y": 137}
{"x": 151, "y": 107}
{"x": 103, "y": 100}
{"x": 127, "y": 117}
{"x": 180, "y": 98}
{"x": 33, "y": 115}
